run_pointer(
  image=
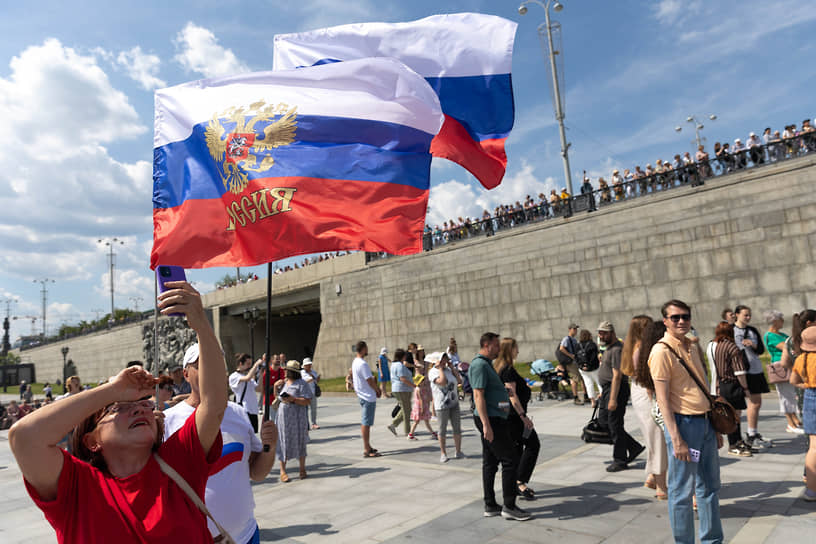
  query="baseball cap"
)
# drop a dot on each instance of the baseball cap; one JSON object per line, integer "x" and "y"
{"x": 605, "y": 326}
{"x": 574, "y": 326}
{"x": 434, "y": 357}
{"x": 191, "y": 355}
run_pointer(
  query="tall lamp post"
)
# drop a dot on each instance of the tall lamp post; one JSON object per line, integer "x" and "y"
{"x": 64, "y": 367}
{"x": 557, "y": 102}
{"x": 44, "y": 291}
{"x": 110, "y": 242}
{"x": 698, "y": 126}
{"x": 251, "y": 316}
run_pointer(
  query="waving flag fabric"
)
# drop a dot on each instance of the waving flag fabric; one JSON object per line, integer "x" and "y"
{"x": 466, "y": 58}
{"x": 258, "y": 167}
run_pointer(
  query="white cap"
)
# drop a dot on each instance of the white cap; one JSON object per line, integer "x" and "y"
{"x": 307, "y": 361}
{"x": 435, "y": 357}
{"x": 383, "y": 351}
{"x": 191, "y": 355}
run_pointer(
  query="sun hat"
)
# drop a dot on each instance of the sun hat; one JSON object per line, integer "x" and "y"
{"x": 808, "y": 339}
{"x": 605, "y": 326}
{"x": 293, "y": 365}
{"x": 307, "y": 361}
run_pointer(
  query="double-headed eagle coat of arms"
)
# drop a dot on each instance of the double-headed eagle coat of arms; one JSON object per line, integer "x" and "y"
{"x": 247, "y": 147}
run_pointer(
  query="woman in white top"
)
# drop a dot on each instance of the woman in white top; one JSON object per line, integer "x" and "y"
{"x": 311, "y": 377}
{"x": 243, "y": 385}
{"x": 444, "y": 385}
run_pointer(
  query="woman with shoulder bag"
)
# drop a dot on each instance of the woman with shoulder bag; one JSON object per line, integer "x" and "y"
{"x": 444, "y": 385}
{"x": 588, "y": 364}
{"x": 779, "y": 374}
{"x": 732, "y": 383}
{"x": 804, "y": 376}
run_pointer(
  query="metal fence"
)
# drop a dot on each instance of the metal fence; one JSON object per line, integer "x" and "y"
{"x": 693, "y": 174}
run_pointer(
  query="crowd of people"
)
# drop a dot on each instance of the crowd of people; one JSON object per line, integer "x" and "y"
{"x": 288, "y": 268}
{"x": 681, "y": 170}
{"x": 121, "y": 443}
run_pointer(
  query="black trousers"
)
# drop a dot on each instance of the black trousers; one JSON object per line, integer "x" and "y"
{"x": 253, "y": 420}
{"x": 624, "y": 445}
{"x": 528, "y": 449}
{"x": 502, "y": 450}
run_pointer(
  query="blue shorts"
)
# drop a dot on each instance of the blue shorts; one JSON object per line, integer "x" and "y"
{"x": 367, "y": 412}
{"x": 809, "y": 411}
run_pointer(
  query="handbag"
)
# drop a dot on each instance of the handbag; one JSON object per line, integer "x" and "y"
{"x": 223, "y": 535}
{"x": 395, "y": 410}
{"x": 778, "y": 373}
{"x": 723, "y": 416}
{"x": 318, "y": 391}
{"x": 595, "y": 432}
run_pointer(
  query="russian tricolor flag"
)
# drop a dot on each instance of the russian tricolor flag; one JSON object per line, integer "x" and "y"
{"x": 465, "y": 57}
{"x": 253, "y": 168}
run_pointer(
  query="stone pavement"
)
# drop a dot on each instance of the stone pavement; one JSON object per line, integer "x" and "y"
{"x": 408, "y": 496}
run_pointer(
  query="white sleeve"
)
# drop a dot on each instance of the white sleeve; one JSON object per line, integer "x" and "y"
{"x": 234, "y": 380}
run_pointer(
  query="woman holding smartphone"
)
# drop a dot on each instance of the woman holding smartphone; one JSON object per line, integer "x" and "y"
{"x": 292, "y": 420}
{"x": 114, "y": 489}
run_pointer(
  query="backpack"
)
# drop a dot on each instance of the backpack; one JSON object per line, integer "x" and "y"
{"x": 561, "y": 357}
{"x": 582, "y": 358}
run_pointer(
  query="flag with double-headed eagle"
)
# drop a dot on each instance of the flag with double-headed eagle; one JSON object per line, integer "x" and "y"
{"x": 258, "y": 167}
{"x": 465, "y": 57}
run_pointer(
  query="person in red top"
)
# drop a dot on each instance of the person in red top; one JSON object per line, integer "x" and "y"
{"x": 114, "y": 489}
{"x": 277, "y": 377}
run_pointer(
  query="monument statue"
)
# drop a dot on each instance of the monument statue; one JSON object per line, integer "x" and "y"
{"x": 174, "y": 338}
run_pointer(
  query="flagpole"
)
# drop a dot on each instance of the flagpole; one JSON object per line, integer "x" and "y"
{"x": 268, "y": 341}
{"x": 155, "y": 369}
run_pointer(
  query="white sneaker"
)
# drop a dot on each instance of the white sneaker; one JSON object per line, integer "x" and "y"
{"x": 443, "y": 458}
{"x": 795, "y": 430}
{"x": 459, "y": 455}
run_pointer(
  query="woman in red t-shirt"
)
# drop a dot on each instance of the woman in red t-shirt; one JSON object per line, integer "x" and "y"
{"x": 115, "y": 491}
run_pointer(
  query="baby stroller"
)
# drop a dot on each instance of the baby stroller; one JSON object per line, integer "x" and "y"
{"x": 550, "y": 380}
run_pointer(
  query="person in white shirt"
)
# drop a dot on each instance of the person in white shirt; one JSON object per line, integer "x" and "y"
{"x": 754, "y": 145}
{"x": 244, "y": 386}
{"x": 446, "y": 401}
{"x": 244, "y": 457}
{"x": 311, "y": 377}
{"x": 739, "y": 154}
{"x": 365, "y": 385}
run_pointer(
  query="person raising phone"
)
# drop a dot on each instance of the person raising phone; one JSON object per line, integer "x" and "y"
{"x": 114, "y": 489}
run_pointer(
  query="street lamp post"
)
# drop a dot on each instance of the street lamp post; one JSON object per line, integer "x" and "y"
{"x": 44, "y": 291}
{"x": 64, "y": 368}
{"x": 559, "y": 110}
{"x": 110, "y": 242}
{"x": 698, "y": 126}
{"x": 251, "y": 316}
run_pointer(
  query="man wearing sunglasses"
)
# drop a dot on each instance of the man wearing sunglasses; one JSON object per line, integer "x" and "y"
{"x": 694, "y": 464}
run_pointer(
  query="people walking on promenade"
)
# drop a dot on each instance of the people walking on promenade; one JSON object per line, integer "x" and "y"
{"x": 614, "y": 396}
{"x": 402, "y": 387}
{"x": 642, "y": 334}
{"x": 367, "y": 392}
{"x": 383, "y": 372}
{"x": 490, "y": 417}
{"x": 774, "y": 339}
{"x": 422, "y": 397}
{"x": 521, "y": 426}
{"x": 732, "y": 382}
{"x": 804, "y": 376}
{"x": 692, "y": 442}
{"x": 444, "y": 385}
{"x": 748, "y": 340}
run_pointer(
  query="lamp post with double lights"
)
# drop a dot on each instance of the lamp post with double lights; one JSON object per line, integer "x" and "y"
{"x": 110, "y": 242}
{"x": 64, "y": 351}
{"x": 551, "y": 53}
{"x": 698, "y": 126}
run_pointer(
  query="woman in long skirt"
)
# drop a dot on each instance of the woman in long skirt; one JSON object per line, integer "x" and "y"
{"x": 292, "y": 420}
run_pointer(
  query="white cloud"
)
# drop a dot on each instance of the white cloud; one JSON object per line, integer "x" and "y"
{"x": 141, "y": 67}
{"x": 672, "y": 11}
{"x": 198, "y": 50}
{"x": 453, "y": 199}
{"x": 59, "y": 187}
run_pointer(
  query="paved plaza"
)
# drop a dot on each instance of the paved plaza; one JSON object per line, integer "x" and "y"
{"x": 408, "y": 496}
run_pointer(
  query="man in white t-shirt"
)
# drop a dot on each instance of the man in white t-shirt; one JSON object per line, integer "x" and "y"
{"x": 311, "y": 377}
{"x": 365, "y": 385}
{"x": 243, "y": 457}
{"x": 244, "y": 386}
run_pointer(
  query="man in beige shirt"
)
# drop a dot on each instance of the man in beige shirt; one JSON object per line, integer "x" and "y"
{"x": 694, "y": 463}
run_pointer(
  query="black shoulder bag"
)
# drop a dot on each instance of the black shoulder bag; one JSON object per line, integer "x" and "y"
{"x": 723, "y": 416}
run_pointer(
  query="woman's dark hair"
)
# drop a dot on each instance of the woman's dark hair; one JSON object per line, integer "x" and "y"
{"x": 652, "y": 334}
{"x": 724, "y": 332}
{"x": 165, "y": 380}
{"x": 740, "y": 307}
{"x": 241, "y": 357}
{"x": 585, "y": 336}
{"x": 798, "y": 325}
{"x": 292, "y": 375}
{"x": 95, "y": 458}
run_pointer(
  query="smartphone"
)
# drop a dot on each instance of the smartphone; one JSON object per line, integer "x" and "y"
{"x": 167, "y": 273}
{"x": 285, "y": 395}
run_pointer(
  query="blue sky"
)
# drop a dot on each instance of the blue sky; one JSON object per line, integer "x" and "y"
{"x": 76, "y": 83}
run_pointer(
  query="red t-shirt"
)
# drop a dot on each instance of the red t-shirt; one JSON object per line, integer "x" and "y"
{"x": 274, "y": 376}
{"x": 88, "y": 504}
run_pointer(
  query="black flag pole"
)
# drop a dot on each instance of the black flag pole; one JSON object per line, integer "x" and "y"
{"x": 268, "y": 351}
